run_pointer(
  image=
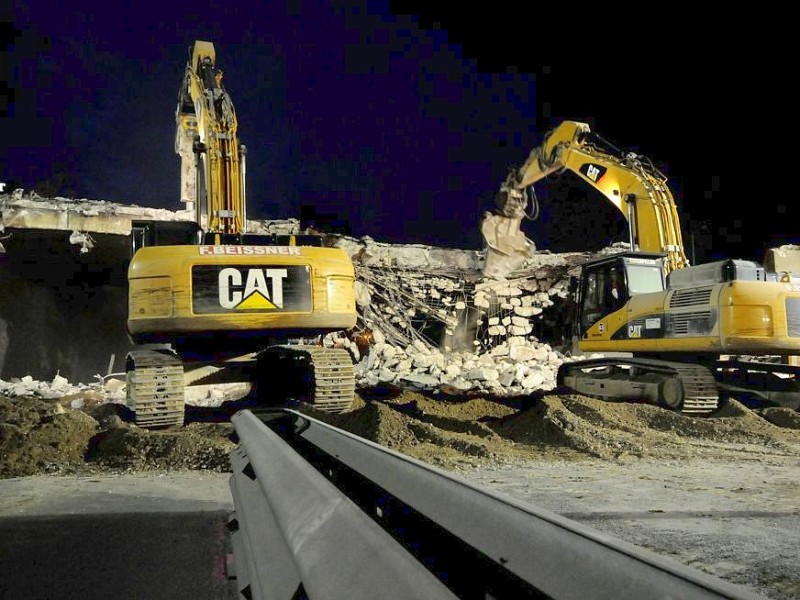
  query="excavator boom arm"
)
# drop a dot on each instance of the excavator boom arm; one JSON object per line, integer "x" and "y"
{"x": 636, "y": 188}
{"x": 206, "y": 139}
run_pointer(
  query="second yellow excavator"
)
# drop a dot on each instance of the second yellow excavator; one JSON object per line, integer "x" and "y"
{"x": 669, "y": 333}
{"x": 214, "y": 298}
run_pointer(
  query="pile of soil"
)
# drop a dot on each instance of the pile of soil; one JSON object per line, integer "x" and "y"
{"x": 52, "y": 436}
{"x": 40, "y": 436}
{"x": 473, "y": 431}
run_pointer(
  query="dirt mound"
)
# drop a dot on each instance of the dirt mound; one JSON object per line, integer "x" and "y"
{"x": 616, "y": 430}
{"x": 441, "y": 431}
{"x": 373, "y": 421}
{"x": 40, "y": 436}
{"x": 782, "y": 417}
{"x": 43, "y": 436}
{"x": 200, "y": 446}
{"x": 566, "y": 426}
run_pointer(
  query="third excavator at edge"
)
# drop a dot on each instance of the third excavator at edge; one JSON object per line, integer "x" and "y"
{"x": 669, "y": 333}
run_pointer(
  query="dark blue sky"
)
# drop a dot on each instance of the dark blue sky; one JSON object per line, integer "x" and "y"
{"x": 401, "y": 123}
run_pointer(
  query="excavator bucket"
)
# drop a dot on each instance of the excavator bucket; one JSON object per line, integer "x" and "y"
{"x": 507, "y": 248}
{"x": 784, "y": 260}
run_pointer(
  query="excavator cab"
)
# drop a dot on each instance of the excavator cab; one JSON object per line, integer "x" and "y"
{"x": 603, "y": 292}
{"x": 607, "y": 284}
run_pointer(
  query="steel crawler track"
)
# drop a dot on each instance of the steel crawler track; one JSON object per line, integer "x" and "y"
{"x": 323, "y": 377}
{"x": 154, "y": 390}
{"x": 687, "y": 388}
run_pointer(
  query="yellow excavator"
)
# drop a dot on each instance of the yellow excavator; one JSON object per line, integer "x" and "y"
{"x": 668, "y": 333}
{"x": 209, "y": 301}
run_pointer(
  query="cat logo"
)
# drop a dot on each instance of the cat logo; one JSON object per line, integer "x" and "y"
{"x": 634, "y": 331}
{"x": 593, "y": 172}
{"x": 257, "y": 289}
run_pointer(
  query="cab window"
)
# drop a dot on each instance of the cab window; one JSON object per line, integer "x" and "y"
{"x": 604, "y": 292}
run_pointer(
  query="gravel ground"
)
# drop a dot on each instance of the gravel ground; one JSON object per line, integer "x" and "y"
{"x": 726, "y": 518}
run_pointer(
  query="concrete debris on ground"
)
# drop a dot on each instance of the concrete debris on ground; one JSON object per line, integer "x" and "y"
{"x": 437, "y": 322}
{"x": 434, "y": 322}
{"x": 107, "y": 388}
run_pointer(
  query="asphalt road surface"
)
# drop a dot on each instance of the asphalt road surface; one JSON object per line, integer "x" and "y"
{"x": 115, "y": 537}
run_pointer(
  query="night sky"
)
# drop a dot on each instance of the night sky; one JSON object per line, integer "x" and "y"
{"x": 399, "y": 123}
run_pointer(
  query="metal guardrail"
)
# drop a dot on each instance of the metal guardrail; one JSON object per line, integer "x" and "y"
{"x": 323, "y": 514}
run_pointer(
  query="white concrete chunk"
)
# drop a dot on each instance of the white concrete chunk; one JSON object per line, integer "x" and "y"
{"x": 460, "y": 384}
{"x": 403, "y": 365}
{"x": 532, "y": 381}
{"x": 481, "y": 300}
{"x": 363, "y": 296}
{"x": 482, "y": 374}
{"x": 452, "y": 370}
{"x": 485, "y": 360}
{"x": 419, "y": 381}
{"x": 387, "y": 375}
{"x": 420, "y": 346}
{"x": 501, "y": 350}
{"x": 507, "y": 377}
{"x": 524, "y": 311}
{"x": 523, "y": 353}
{"x": 373, "y": 360}
{"x": 422, "y": 361}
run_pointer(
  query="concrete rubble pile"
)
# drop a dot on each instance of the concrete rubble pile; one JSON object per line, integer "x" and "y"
{"x": 28, "y": 386}
{"x": 435, "y": 323}
{"x": 109, "y": 388}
